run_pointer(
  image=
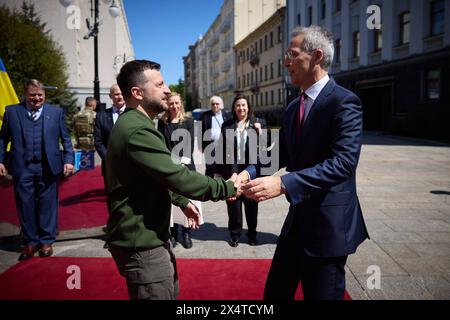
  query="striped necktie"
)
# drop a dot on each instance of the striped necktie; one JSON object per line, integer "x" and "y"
{"x": 33, "y": 114}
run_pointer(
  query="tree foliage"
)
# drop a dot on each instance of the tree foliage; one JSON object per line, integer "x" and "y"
{"x": 29, "y": 52}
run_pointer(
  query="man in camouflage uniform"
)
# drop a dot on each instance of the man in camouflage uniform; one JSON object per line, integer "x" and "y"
{"x": 83, "y": 124}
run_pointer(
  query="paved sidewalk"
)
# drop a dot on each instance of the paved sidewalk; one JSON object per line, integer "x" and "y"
{"x": 404, "y": 189}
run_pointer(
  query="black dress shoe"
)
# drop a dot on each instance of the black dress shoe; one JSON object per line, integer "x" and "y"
{"x": 28, "y": 252}
{"x": 252, "y": 241}
{"x": 234, "y": 242}
{"x": 187, "y": 241}
{"x": 45, "y": 251}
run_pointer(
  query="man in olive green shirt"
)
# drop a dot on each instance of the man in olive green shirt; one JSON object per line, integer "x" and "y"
{"x": 143, "y": 182}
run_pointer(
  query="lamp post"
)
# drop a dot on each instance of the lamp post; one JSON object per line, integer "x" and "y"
{"x": 93, "y": 32}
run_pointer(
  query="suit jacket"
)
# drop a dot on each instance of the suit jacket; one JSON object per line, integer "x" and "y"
{"x": 324, "y": 211}
{"x": 230, "y": 163}
{"x": 54, "y": 130}
{"x": 167, "y": 130}
{"x": 207, "y": 124}
{"x": 103, "y": 126}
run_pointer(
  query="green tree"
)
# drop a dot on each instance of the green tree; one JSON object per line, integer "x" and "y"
{"x": 29, "y": 52}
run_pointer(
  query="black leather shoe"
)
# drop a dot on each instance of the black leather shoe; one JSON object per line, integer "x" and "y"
{"x": 234, "y": 242}
{"x": 252, "y": 241}
{"x": 187, "y": 241}
{"x": 28, "y": 252}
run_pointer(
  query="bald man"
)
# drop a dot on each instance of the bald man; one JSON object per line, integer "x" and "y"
{"x": 104, "y": 122}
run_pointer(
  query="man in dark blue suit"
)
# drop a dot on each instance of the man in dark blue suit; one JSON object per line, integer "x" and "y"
{"x": 320, "y": 143}
{"x": 35, "y": 129}
{"x": 104, "y": 122}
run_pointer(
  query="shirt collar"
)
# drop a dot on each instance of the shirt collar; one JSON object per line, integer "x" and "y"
{"x": 116, "y": 109}
{"x": 314, "y": 91}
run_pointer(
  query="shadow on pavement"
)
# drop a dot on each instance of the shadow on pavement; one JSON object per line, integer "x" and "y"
{"x": 209, "y": 231}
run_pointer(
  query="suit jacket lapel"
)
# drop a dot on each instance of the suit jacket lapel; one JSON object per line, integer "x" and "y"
{"x": 21, "y": 114}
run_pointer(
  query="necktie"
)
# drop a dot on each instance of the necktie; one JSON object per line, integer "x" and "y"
{"x": 33, "y": 114}
{"x": 299, "y": 118}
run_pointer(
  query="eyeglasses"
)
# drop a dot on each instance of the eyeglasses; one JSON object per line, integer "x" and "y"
{"x": 291, "y": 55}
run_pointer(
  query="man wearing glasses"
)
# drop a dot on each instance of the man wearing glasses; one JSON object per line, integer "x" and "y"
{"x": 320, "y": 143}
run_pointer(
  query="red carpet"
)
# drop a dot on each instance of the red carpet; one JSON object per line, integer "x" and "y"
{"x": 82, "y": 201}
{"x": 200, "y": 279}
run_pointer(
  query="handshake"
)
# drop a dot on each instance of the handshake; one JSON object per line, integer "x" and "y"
{"x": 259, "y": 189}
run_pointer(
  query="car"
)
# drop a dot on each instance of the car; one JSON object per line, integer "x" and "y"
{"x": 197, "y": 113}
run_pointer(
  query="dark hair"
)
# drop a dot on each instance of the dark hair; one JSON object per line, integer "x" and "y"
{"x": 250, "y": 109}
{"x": 89, "y": 99}
{"x": 132, "y": 75}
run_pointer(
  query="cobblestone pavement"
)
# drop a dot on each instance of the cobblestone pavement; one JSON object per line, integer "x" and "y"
{"x": 404, "y": 189}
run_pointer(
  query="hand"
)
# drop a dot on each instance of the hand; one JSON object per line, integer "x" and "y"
{"x": 3, "y": 170}
{"x": 239, "y": 180}
{"x": 191, "y": 212}
{"x": 257, "y": 127}
{"x": 68, "y": 169}
{"x": 261, "y": 189}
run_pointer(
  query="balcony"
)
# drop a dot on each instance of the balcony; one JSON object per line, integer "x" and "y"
{"x": 226, "y": 25}
{"x": 254, "y": 88}
{"x": 213, "y": 40}
{"x": 254, "y": 60}
{"x": 225, "y": 46}
{"x": 226, "y": 67}
{"x": 215, "y": 56}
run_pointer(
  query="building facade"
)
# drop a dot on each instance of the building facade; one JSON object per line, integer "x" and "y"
{"x": 65, "y": 20}
{"x": 260, "y": 68}
{"x": 215, "y": 67}
{"x": 394, "y": 54}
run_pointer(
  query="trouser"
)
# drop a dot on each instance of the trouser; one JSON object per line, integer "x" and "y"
{"x": 150, "y": 274}
{"x": 36, "y": 192}
{"x": 235, "y": 216}
{"x": 321, "y": 278}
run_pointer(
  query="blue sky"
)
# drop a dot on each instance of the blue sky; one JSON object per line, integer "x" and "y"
{"x": 162, "y": 30}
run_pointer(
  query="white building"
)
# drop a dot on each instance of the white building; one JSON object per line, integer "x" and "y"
{"x": 215, "y": 66}
{"x": 66, "y": 21}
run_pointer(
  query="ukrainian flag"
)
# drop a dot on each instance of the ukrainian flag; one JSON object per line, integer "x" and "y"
{"x": 7, "y": 94}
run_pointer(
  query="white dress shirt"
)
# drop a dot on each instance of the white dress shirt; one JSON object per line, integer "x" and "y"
{"x": 313, "y": 92}
{"x": 116, "y": 112}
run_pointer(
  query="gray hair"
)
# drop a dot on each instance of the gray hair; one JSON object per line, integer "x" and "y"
{"x": 317, "y": 37}
{"x": 217, "y": 98}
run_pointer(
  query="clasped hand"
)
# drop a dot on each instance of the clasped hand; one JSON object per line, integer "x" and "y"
{"x": 259, "y": 189}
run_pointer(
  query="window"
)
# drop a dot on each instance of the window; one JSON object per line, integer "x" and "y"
{"x": 405, "y": 27}
{"x": 356, "y": 44}
{"x": 265, "y": 72}
{"x": 378, "y": 39}
{"x": 309, "y": 15}
{"x": 265, "y": 42}
{"x": 239, "y": 82}
{"x": 338, "y": 5}
{"x": 271, "y": 70}
{"x": 271, "y": 39}
{"x": 251, "y": 76}
{"x": 260, "y": 45}
{"x": 256, "y": 47}
{"x": 280, "y": 96}
{"x": 433, "y": 84}
{"x": 271, "y": 98}
{"x": 247, "y": 58}
{"x": 299, "y": 20}
{"x": 280, "y": 35}
{"x": 280, "y": 67}
{"x": 267, "y": 98}
{"x": 437, "y": 17}
{"x": 337, "y": 49}
{"x": 323, "y": 9}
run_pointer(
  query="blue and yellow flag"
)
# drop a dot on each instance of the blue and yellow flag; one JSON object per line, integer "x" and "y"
{"x": 7, "y": 94}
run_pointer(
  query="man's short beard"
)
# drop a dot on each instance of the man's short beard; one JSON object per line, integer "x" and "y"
{"x": 153, "y": 105}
